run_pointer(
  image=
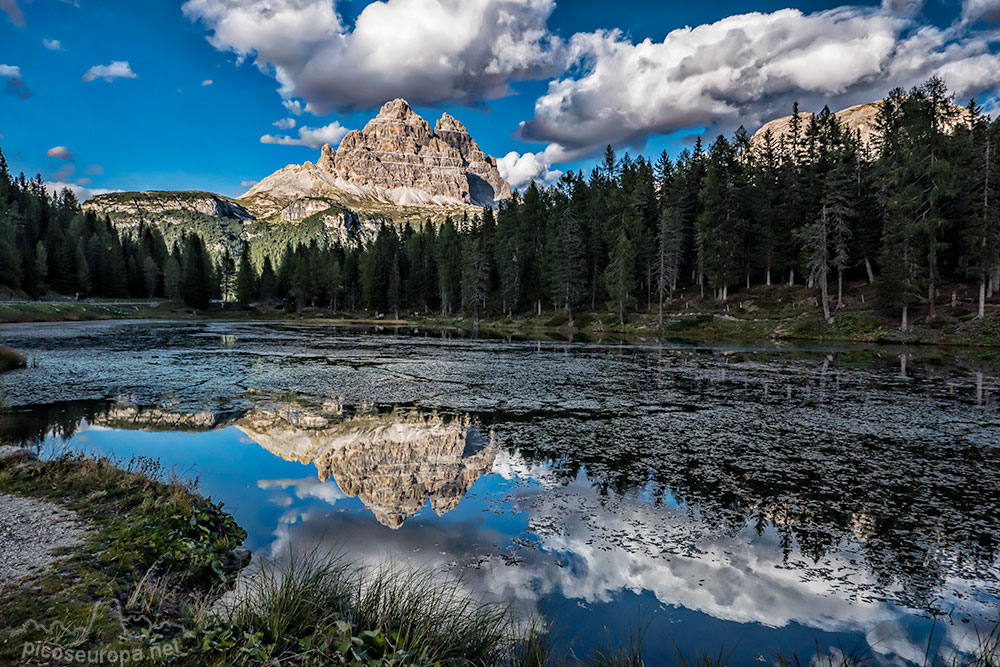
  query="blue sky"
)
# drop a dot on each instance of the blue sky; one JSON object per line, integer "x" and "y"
{"x": 181, "y": 94}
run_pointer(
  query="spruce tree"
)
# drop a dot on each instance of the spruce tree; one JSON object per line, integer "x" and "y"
{"x": 619, "y": 277}
{"x": 245, "y": 278}
{"x": 268, "y": 282}
{"x": 567, "y": 267}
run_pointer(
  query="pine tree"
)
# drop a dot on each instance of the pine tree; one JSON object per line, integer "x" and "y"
{"x": 10, "y": 257}
{"x": 982, "y": 228}
{"x": 227, "y": 277}
{"x": 449, "y": 267}
{"x": 475, "y": 270}
{"x": 171, "y": 277}
{"x": 668, "y": 254}
{"x": 245, "y": 278}
{"x": 619, "y": 277}
{"x": 334, "y": 278}
{"x": 268, "y": 282}
{"x": 151, "y": 273}
{"x": 197, "y": 273}
{"x": 567, "y": 268}
{"x": 720, "y": 224}
{"x": 840, "y": 212}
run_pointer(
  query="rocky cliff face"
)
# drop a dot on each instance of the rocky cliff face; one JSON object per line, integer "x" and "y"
{"x": 397, "y": 159}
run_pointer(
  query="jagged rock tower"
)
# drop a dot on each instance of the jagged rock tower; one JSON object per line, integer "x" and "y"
{"x": 398, "y": 154}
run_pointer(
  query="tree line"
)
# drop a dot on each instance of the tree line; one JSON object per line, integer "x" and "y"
{"x": 914, "y": 207}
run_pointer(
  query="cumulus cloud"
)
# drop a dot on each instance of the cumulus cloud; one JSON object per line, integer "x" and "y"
{"x": 746, "y": 69}
{"x": 82, "y": 193}
{"x": 313, "y": 137}
{"x": 13, "y": 12}
{"x": 207, "y": 82}
{"x": 521, "y": 169}
{"x": 10, "y": 70}
{"x": 59, "y": 152}
{"x": 294, "y": 107}
{"x": 986, "y": 10}
{"x": 284, "y": 123}
{"x": 52, "y": 44}
{"x": 428, "y": 51}
{"x": 119, "y": 69}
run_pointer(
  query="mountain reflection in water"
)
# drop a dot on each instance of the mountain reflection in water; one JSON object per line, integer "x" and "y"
{"x": 766, "y": 500}
{"x": 394, "y": 463}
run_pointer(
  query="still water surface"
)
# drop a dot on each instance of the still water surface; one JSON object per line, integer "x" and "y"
{"x": 754, "y": 498}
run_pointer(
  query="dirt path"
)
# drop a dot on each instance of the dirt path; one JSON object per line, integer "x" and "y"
{"x": 30, "y": 530}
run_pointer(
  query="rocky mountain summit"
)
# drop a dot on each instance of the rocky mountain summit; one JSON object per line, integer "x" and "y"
{"x": 395, "y": 160}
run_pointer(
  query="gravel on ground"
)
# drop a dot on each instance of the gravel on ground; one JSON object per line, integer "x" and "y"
{"x": 30, "y": 530}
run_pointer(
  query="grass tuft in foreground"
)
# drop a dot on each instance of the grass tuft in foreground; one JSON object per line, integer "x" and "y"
{"x": 319, "y": 610}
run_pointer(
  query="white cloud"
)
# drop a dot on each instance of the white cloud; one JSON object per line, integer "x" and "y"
{"x": 428, "y": 51}
{"x": 59, "y": 152}
{"x": 82, "y": 193}
{"x": 987, "y": 10}
{"x": 52, "y": 44}
{"x": 294, "y": 107}
{"x": 520, "y": 169}
{"x": 246, "y": 185}
{"x": 313, "y": 137}
{"x": 746, "y": 69}
{"x": 284, "y": 123}
{"x": 207, "y": 82}
{"x": 119, "y": 69}
{"x": 10, "y": 70}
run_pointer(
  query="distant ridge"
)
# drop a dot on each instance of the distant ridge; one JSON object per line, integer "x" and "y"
{"x": 861, "y": 119}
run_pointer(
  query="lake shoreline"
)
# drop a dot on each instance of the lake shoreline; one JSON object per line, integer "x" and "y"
{"x": 151, "y": 547}
{"x": 766, "y": 314}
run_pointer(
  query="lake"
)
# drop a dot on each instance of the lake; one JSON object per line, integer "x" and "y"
{"x": 748, "y": 499}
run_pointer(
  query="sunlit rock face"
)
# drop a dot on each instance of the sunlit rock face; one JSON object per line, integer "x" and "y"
{"x": 393, "y": 463}
{"x": 396, "y": 159}
{"x": 135, "y": 207}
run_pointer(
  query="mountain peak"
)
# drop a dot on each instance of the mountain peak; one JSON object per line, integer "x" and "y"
{"x": 448, "y": 123}
{"x": 397, "y": 109}
{"x": 398, "y": 160}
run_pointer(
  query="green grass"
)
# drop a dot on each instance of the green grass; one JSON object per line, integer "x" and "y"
{"x": 318, "y": 610}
